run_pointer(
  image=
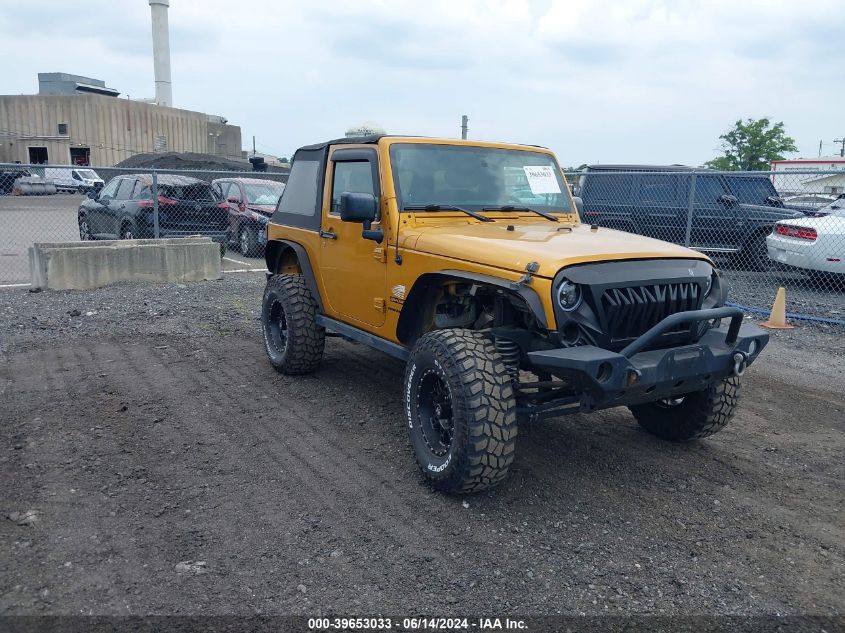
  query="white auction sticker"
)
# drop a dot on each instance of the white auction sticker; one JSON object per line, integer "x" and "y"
{"x": 541, "y": 179}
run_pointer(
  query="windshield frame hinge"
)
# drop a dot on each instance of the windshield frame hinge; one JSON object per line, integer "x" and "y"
{"x": 531, "y": 269}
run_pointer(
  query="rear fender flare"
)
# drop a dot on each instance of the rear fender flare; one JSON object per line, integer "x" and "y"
{"x": 413, "y": 309}
{"x": 275, "y": 254}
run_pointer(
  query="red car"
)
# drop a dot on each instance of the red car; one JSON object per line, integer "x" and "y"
{"x": 251, "y": 202}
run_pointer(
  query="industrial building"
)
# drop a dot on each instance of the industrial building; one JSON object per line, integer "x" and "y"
{"x": 76, "y": 120}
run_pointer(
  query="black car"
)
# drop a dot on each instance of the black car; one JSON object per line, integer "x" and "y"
{"x": 8, "y": 176}
{"x": 730, "y": 213}
{"x": 124, "y": 209}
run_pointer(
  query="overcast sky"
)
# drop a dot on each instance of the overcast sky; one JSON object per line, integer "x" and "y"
{"x": 595, "y": 80}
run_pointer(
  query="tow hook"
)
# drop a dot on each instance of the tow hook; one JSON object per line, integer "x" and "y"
{"x": 740, "y": 363}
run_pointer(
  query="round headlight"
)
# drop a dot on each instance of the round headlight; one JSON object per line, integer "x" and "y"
{"x": 568, "y": 295}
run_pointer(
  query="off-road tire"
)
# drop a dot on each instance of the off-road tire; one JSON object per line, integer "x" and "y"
{"x": 289, "y": 309}
{"x": 482, "y": 405}
{"x": 699, "y": 415}
{"x": 755, "y": 255}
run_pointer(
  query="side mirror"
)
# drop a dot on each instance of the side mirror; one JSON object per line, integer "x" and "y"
{"x": 357, "y": 207}
{"x": 775, "y": 201}
{"x": 94, "y": 194}
{"x": 579, "y": 204}
{"x": 361, "y": 208}
{"x": 728, "y": 201}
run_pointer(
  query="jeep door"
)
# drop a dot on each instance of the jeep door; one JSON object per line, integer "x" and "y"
{"x": 353, "y": 269}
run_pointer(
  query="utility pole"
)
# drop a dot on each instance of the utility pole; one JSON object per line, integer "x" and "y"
{"x": 841, "y": 140}
{"x": 465, "y": 120}
{"x": 253, "y": 144}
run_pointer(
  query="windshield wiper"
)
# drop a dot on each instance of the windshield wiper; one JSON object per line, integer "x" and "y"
{"x": 510, "y": 207}
{"x": 446, "y": 207}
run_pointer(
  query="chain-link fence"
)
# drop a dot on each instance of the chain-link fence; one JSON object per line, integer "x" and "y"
{"x": 65, "y": 203}
{"x": 763, "y": 229}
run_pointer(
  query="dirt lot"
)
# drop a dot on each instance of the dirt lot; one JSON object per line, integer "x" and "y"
{"x": 171, "y": 470}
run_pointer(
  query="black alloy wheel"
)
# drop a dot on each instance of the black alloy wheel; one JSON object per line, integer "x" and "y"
{"x": 434, "y": 410}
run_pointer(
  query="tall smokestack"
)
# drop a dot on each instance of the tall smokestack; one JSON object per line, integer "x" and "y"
{"x": 161, "y": 51}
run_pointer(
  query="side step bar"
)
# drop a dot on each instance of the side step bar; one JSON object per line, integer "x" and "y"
{"x": 351, "y": 332}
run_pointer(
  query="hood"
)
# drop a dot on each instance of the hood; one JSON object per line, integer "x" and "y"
{"x": 552, "y": 245}
{"x": 263, "y": 209}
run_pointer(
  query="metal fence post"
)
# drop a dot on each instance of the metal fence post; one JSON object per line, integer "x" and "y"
{"x": 690, "y": 206}
{"x": 155, "y": 204}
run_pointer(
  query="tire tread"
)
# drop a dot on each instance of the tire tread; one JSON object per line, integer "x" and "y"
{"x": 701, "y": 415}
{"x": 306, "y": 340}
{"x": 488, "y": 407}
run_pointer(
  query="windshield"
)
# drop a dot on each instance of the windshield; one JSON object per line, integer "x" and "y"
{"x": 264, "y": 193}
{"x": 751, "y": 190}
{"x": 88, "y": 174}
{"x": 476, "y": 178}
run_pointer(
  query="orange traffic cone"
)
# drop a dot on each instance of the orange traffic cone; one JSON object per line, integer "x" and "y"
{"x": 777, "y": 318}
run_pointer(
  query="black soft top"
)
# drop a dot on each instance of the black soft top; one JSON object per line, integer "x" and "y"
{"x": 348, "y": 140}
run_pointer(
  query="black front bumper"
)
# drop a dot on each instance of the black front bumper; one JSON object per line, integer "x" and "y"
{"x": 607, "y": 379}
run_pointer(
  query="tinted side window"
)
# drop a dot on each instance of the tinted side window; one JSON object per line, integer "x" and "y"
{"x": 354, "y": 177}
{"x": 708, "y": 188}
{"x": 141, "y": 191}
{"x": 125, "y": 190}
{"x": 300, "y": 196}
{"x": 659, "y": 188}
{"x": 110, "y": 189}
{"x": 607, "y": 187}
{"x": 751, "y": 189}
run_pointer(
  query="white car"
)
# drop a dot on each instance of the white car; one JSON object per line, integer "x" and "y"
{"x": 809, "y": 203}
{"x": 81, "y": 179}
{"x": 812, "y": 244}
{"x": 836, "y": 205}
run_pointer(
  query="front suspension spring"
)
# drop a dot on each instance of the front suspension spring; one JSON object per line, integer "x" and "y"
{"x": 510, "y": 353}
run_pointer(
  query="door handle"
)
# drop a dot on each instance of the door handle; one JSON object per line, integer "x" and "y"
{"x": 328, "y": 235}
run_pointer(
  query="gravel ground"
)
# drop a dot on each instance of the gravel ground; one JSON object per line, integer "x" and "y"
{"x": 152, "y": 462}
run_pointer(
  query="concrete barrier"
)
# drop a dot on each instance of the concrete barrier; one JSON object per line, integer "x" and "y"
{"x": 85, "y": 265}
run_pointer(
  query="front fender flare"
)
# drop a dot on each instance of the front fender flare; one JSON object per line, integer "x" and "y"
{"x": 412, "y": 309}
{"x": 276, "y": 249}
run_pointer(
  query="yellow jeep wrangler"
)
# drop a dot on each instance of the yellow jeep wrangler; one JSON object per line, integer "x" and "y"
{"x": 466, "y": 259}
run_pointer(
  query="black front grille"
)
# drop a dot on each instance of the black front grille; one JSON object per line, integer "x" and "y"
{"x": 629, "y": 312}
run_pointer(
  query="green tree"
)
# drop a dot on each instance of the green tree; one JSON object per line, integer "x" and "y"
{"x": 752, "y": 145}
{"x": 568, "y": 170}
